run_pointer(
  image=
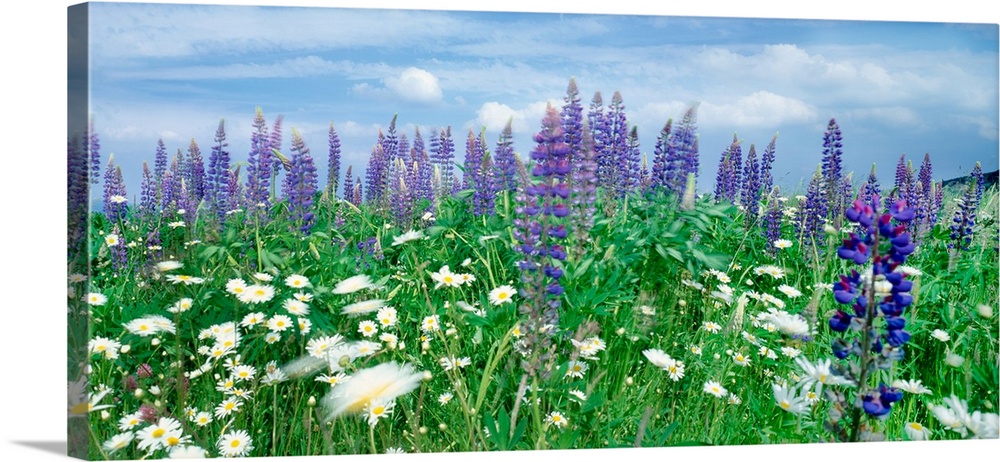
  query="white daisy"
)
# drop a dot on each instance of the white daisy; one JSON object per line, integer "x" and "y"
{"x": 501, "y": 295}
{"x": 407, "y": 237}
{"x": 236, "y": 443}
{"x": 297, "y": 281}
{"x": 353, "y": 284}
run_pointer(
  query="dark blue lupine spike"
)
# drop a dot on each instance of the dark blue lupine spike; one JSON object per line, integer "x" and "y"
{"x": 584, "y": 191}
{"x": 661, "y": 159}
{"x": 613, "y": 174}
{"x": 400, "y": 198}
{"x": 473, "y": 159}
{"x": 333, "y": 162}
{"x": 168, "y": 198}
{"x": 900, "y": 184}
{"x": 633, "y": 162}
{"x": 443, "y": 155}
{"x": 964, "y": 220}
{"x": 234, "y": 193}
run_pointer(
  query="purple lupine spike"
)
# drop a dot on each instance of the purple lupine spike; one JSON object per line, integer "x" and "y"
{"x": 186, "y": 202}
{"x": 683, "y": 158}
{"x": 772, "y": 220}
{"x": 77, "y": 196}
{"x": 633, "y": 162}
{"x": 661, "y": 159}
{"x": 584, "y": 192}
{"x": 766, "y": 165}
{"x": 964, "y": 219}
{"x": 473, "y": 158}
{"x": 333, "y": 163}
{"x": 736, "y": 167}
{"x": 358, "y": 192}
{"x": 750, "y": 197}
{"x": 234, "y": 193}
{"x": 414, "y": 161}
{"x": 159, "y": 165}
{"x": 598, "y": 122}
{"x": 196, "y": 171}
{"x": 615, "y": 172}
{"x": 390, "y": 144}
{"x": 259, "y": 169}
{"x": 115, "y": 195}
{"x": 274, "y": 142}
{"x": 168, "y": 198}
{"x": 118, "y": 253}
{"x": 900, "y": 185}
{"x": 348, "y": 185}
{"x": 376, "y": 176}
{"x": 217, "y": 175}
{"x": 727, "y": 177}
{"x": 871, "y": 187}
{"x": 938, "y": 200}
{"x": 300, "y": 185}
{"x": 571, "y": 119}
{"x": 542, "y": 204}
{"x": 505, "y": 167}
{"x": 484, "y": 197}
{"x": 442, "y": 157}
{"x": 645, "y": 177}
{"x": 833, "y": 171}
{"x": 147, "y": 194}
{"x": 94, "y": 150}
{"x": 400, "y": 197}
{"x": 813, "y": 212}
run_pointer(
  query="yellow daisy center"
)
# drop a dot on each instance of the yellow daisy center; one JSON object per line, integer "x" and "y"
{"x": 158, "y": 432}
{"x": 173, "y": 441}
{"x": 785, "y": 405}
{"x": 235, "y": 444}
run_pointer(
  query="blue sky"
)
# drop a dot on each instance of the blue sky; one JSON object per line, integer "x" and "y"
{"x": 173, "y": 71}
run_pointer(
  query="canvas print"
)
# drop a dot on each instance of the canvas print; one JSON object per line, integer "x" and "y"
{"x": 326, "y": 231}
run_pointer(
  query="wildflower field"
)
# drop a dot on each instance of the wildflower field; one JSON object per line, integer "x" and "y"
{"x": 579, "y": 294}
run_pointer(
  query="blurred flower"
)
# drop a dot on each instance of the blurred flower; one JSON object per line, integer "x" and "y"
{"x": 916, "y": 432}
{"x": 789, "y": 399}
{"x": 715, "y": 389}
{"x": 940, "y": 335}
{"x": 407, "y": 237}
{"x": 384, "y": 382}
{"x": 353, "y": 284}
{"x": 168, "y": 265}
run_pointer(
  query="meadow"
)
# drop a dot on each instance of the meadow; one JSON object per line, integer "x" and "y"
{"x": 572, "y": 296}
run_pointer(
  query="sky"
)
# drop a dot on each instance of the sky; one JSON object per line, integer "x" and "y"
{"x": 171, "y": 72}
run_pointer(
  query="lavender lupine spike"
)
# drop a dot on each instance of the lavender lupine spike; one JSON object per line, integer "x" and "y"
{"x": 426, "y": 179}
{"x": 118, "y": 253}
{"x": 727, "y": 179}
{"x": 217, "y": 175}
{"x": 196, "y": 169}
{"x": 750, "y": 197}
{"x": 443, "y": 155}
{"x": 571, "y": 119}
{"x": 147, "y": 194}
{"x": 358, "y": 192}
{"x": 473, "y": 158}
{"x": 484, "y": 197}
{"x": 274, "y": 142}
{"x": 168, "y": 198}
{"x": 661, "y": 159}
{"x": 766, "y": 165}
{"x": 977, "y": 173}
{"x": 542, "y": 207}
{"x": 115, "y": 196}
{"x": 333, "y": 162}
{"x": 187, "y": 203}
{"x": 77, "y": 196}
{"x": 645, "y": 178}
{"x": 899, "y": 187}
{"x": 584, "y": 193}
{"x": 93, "y": 143}
{"x": 833, "y": 171}
{"x": 505, "y": 168}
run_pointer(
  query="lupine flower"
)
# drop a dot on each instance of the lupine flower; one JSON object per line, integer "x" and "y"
{"x": 542, "y": 205}
{"x": 571, "y": 120}
{"x": 147, "y": 195}
{"x": 964, "y": 220}
{"x": 682, "y": 157}
{"x": 195, "y": 170}
{"x": 259, "y": 168}
{"x": 750, "y": 195}
{"x": 832, "y": 171}
{"x": 661, "y": 158}
{"x": 584, "y": 191}
{"x": 93, "y": 146}
{"x": 442, "y": 156}
{"x": 300, "y": 185}
{"x": 217, "y": 175}
{"x": 812, "y": 212}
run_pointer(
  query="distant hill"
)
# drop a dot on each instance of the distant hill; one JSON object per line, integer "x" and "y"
{"x": 990, "y": 178}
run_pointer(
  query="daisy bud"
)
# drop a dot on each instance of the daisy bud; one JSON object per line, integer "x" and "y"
{"x": 620, "y": 331}
{"x": 157, "y": 403}
{"x": 138, "y": 393}
{"x": 155, "y": 390}
{"x": 828, "y": 229}
{"x": 985, "y": 311}
{"x": 105, "y": 415}
{"x": 155, "y": 341}
{"x": 682, "y": 302}
{"x": 402, "y": 346}
{"x": 428, "y": 376}
{"x": 422, "y": 430}
{"x": 451, "y": 331}
{"x": 749, "y": 282}
{"x": 311, "y": 402}
{"x": 442, "y": 427}
{"x": 628, "y": 381}
{"x": 345, "y": 361}
{"x": 425, "y": 346}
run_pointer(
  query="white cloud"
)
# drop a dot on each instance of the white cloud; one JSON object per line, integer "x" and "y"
{"x": 759, "y": 109}
{"x": 896, "y": 116}
{"x": 494, "y": 116}
{"x": 415, "y": 84}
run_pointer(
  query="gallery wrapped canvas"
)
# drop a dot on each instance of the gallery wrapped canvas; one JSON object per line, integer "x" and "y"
{"x": 317, "y": 231}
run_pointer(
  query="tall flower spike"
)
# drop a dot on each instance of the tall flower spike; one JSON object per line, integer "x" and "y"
{"x": 93, "y": 144}
{"x": 684, "y": 152}
{"x": 300, "y": 185}
{"x": 750, "y": 197}
{"x": 661, "y": 159}
{"x": 542, "y": 206}
{"x": 147, "y": 195}
{"x": 217, "y": 175}
{"x": 572, "y": 120}
{"x": 195, "y": 171}
{"x": 833, "y": 171}
{"x": 505, "y": 168}
{"x": 584, "y": 192}
{"x": 766, "y": 163}
{"x": 333, "y": 162}
{"x": 159, "y": 166}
